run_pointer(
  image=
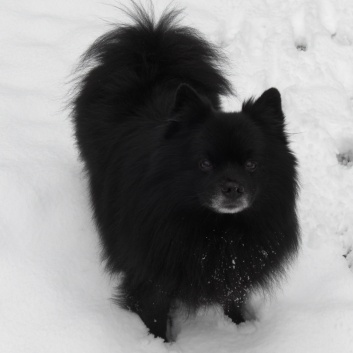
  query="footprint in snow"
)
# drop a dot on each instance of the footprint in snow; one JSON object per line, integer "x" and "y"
{"x": 298, "y": 22}
{"x": 342, "y": 38}
{"x": 345, "y": 158}
{"x": 340, "y": 33}
{"x": 301, "y": 45}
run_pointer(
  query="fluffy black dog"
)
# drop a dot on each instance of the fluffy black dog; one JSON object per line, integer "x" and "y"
{"x": 193, "y": 204}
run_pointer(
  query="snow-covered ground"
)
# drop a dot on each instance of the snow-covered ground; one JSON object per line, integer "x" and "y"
{"x": 54, "y": 294}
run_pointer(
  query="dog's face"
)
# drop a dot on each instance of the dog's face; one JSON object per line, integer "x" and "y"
{"x": 220, "y": 157}
{"x": 228, "y": 155}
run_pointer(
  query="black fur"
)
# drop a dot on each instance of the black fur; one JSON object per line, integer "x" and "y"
{"x": 193, "y": 204}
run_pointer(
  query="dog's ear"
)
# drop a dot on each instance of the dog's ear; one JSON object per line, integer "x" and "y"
{"x": 188, "y": 109}
{"x": 268, "y": 103}
{"x": 187, "y": 100}
{"x": 271, "y": 102}
{"x": 266, "y": 110}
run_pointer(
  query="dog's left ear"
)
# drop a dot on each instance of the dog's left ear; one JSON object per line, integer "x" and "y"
{"x": 269, "y": 103}
{"x": 267, "y": 110}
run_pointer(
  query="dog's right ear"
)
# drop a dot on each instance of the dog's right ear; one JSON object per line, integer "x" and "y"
{"x": 188, "y": 107}
{"x": 187, "y": 101}
{"x": 185, "y": 98}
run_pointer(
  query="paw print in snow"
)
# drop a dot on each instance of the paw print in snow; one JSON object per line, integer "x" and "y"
{"x": 346, "y": 158}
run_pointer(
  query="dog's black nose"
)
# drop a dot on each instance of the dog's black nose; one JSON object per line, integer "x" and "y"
{"x": 232, "y": 189}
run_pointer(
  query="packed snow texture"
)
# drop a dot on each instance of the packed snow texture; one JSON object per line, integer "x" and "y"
{"x": 54, "y": 293}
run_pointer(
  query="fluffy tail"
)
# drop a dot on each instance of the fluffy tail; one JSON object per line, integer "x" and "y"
{"x": 133, "y": 62}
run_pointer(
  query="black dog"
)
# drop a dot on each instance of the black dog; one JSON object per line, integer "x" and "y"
{"x": 193, "y": 204}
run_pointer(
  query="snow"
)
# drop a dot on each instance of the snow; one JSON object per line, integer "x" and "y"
{"x": 54, "y": 293}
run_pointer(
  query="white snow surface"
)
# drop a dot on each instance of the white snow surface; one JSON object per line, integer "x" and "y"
{"x": 54, "y": 293}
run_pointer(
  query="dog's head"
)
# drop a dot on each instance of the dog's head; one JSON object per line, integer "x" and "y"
{"x": 224, "y": 161}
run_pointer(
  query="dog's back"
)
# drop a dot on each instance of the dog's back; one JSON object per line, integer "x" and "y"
{"x": 135, "y": 69}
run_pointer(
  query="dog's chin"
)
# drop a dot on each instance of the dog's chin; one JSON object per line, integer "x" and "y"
{"x": 221, "y": 205}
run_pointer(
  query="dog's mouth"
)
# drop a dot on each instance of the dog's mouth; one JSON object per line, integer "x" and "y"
{"x": 222, "y": 204}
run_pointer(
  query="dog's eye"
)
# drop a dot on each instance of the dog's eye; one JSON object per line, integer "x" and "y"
{"x": 250, "y": 166}
{"x": 205, "y": 165}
